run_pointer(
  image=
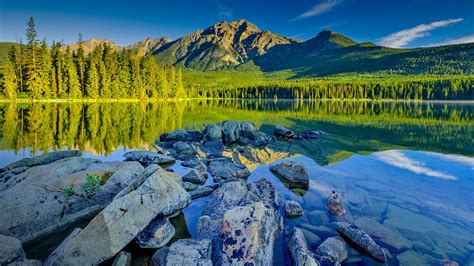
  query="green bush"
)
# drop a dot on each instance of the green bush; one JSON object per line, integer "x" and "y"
{"x": 69, "y": 191}
{"x": 92, "y": 184}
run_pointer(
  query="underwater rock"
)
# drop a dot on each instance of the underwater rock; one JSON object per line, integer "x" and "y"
{"x": 123, "y": 259}
{"x": 334, "y": 248}
{"x": 189, "y": 252}
{"x": 335, "y": 206}
{"x": 148, "y": 157}
{"x": 386, "y": 235}
{"x": 310, "y": 134}
{"x": 361, "y": 239}
{"x": 293, "y": 171}
{"x": 123, "y": 219}
{"x": 293, "y": 209}
{"x": 225, "y": 169}
{"x": 299, "y": 252}
{"x": 281, "y": 131}
{"x": 157, "y": 234}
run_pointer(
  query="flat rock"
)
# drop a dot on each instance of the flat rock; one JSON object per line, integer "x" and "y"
{"x": 181, "y": 135}
{"x": 293, "y": 171}
{"x": 335, "y": 206}
{"x": 334, "y": 248}
{"x": 201, "y": 192}
{"x": 189, "y": 252}
{"x": 148, "y": 157}
{"x": 157, "y": 234}
{"x": 37, "y": 206}
{"x": 43, "y": 159}
{"x": 299, "y": 252}
{"x": 281, "y": 131}
{"x": 361, "y": 239}
{"x": 194, "y": 176}
{"x": 225, "y": 169}
{"x": 293, "y": 209}
{"x": 123, "y": 259}
{"x": 122, "y": 220}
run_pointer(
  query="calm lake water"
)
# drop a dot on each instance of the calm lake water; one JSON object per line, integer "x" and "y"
{"x": 404, "y": 170}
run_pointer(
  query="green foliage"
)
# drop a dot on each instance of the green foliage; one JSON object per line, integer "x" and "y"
{"x": 93, "y": 182}
{"x": 69, "y": 191}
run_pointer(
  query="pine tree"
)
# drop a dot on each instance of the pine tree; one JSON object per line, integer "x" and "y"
{"x": 45, "y": 69}
{"x": 9, "y": 76}
{"x": 72, "y": 84}
{"x": 92, "y": 78}
{"x": 80, "y": 63}
{"x": 34, "y": 81}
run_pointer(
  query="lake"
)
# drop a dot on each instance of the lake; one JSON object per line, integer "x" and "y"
{"x": 405, "y": 170}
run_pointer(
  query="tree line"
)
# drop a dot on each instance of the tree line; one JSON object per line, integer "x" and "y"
{"x": 40, "y": 71}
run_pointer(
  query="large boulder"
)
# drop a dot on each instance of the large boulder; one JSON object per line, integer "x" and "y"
{"x": 157, "y": 234}
{"x": 122, "y": 220}
{"x": 293, "y": 171}
{"x": 181, "y": 135}
{"x": 225, "y": 169}
{"x": 148, "y": 157}
{"x": 284, "y": 132}
{"x": 238, "y": 131}
{"x": 361, "y": 239}
{"x": 12, "y": 253}
{"x": 189, "y": 252}
{"x": 48, "y": 198}
{"x": 212, "y": 132}
{"x": 334, "y": 248}
{"x": 299, "y": 252}
{"x": 194, "y": 176}
{"x": 335, "y": 206}
{"x": 293, "y": 209}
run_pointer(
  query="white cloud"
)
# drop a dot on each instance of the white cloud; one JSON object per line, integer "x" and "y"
{"x": 463, "y": 39}
{"x": 318, "y": 9}
{"x": 455, "y": 158}
{"x": 401, "y": 38}
{"x": 399, "y": 159}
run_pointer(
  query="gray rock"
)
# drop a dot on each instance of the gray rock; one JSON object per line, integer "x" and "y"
{"x": 212, "y": 132}
{"x": 293, "y": 209}
{"x": 238, "y": 131}
{"x": 189, "y": 252}
{"x": 121, "y": 221}
{"x": 310, "y": 134}
{"x": 157, "y": 234}
{"x": 194, "y": 176}
{"x": 293, "y": 171}
{"x": 59, "y": 251}
{"x": 25, "y": 262}
{"x": 414, "y": 258}
{"x": 183, "y": 149}
{"x": 386, "y": 235}
{"x": 10, "y": 250}
{"x": 261, "y": 140}
{"x": 281, "y": 131}
{"x": 36, "y": 204}
{"x": 159, "y": 258}
{"x": 43, "y": 159}
{"x": 181, "y": 135}
{"x": 335, "y": 206}
{"x": 123, "y": 259}
{"x": 361, "y": 239}
{"x": 299, "y": 252}
{"x": 225, "y": 169}
{"x": 148, "y": 157}
{"x": 188, "y": 186}
{"x": 201, "y": 192}
{"x": 334, "y": 248}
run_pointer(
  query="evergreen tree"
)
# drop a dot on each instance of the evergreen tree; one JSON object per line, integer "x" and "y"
{"x": 45, "y": 69}
{"x": 92, "y": 79}
{"x": 34, "y": 82}
{"x": 72, "y": 80}
{"x": 9, "y": 76}
{"x": 80, "y": 63}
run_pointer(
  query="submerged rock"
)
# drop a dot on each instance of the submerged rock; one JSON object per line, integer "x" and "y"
{"x": 43, "y": 159}
{"x": 189, "y": 252}
{"x": 293, "y": 209}
{"x": 148, "y": 157}
{"x": 201, "y": 192}
{"x": 334, "y": 248}
{"x": 281, "y": 131}
{"x": 361, "y": 239}
{"x": 225, "y": 169}
{"x": 194, "y": 176}
{"x": 157, "y": 234}
{"x": 335, "y": 206}
{"x": 310, "y": 134}
{"x": 386, "y": 235}
{"x": 122, "y": 220}
{"x": 293, "y": 171}
{"x": 299, "y": 252}
{"x": 181, "y": 135}
{"x": 123, "y": 259}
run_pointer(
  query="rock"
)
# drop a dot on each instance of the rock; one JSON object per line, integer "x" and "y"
{"x": 148, "y": 157}
{"x": 310, "y": 134}
{"x": 10, "y": 250}
{"x": 159, "y": 258}
{"x": 201, "y": 192}
{"x": 181, "y": 135}
{"x": 361, "y": 239}
{"x": 261, "y": 140}
{"x": 333, "y": 247}
{"x": 43, "y": 159}
{"x": 212, "y": 132}
{"x": 194, "y": 176}
{"x": 293, "y": 209}
{"x": 123, "y": 259}
{"x": 413, "y": 258}
{"x": 280, "y": 131}
{"x": 299, "y": 252}
{"x": 157, "y": 234}
{"x": 121, "y": 221}
{"x": 247, "y": 235}
{"x": 188, "y": 186}
{"x": 450, "y": 263}
{"x": 46, "y": 208}
{"x": 335, "y": 206}
{"x": 312, "y": 239}
{"x": 189, "y": 252}
{"x": 237, "y": 131}
{"x": 213, "y": 148}
{"x": 59, "y": 251}
{"x": 225, "y": 169}
{"x": 182, "y": 150}
{"x": 386, "y": 235}
{"x": 293, "y": 171}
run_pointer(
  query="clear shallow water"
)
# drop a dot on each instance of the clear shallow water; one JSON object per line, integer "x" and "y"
{"x": 404, "y": 170}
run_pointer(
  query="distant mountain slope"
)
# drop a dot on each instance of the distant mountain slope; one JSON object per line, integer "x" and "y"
{"x": 90, "y": 44}
{"x": 220, "y": 46}
{"x": 149, "y": 45}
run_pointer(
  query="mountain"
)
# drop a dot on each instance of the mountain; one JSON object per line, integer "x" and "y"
{"x": 90, "y": 44}
{"x": 149, "y": 45}
{"x": 222, "y": 45}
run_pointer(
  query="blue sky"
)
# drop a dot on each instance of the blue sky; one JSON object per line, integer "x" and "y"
{"x": 395, "y": 23}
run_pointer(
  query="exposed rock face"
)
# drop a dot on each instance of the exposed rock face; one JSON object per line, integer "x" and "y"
{"x": 43, "y": 159}
{"x": 362, "y": 239}
{"x": 149, "y": 45}
{"x": 299, "y": 252}
{"x": 335, "y": 206}
{"x": 189, "y": 252}
{"x": 194, "y": 176}
{"x": 284, "y": 132}
{"x": 225, "y": 169}
{"x": 293, "y": 209}
{"x": 157, "y": 234}
{"x": 122, "y": 220}
{"x": 148, "y": 157}
{"x": 293, "y": 171}
{"x": 334, "y": 248}
{"x": 123, "y": 259}
{"x": 219, "y": 208}
{"x": 36, "y": 204}
{"x": 201, "y": 192}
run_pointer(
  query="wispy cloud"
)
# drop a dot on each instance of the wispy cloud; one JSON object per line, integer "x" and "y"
{"x": 401, "y": 38}
{"x": 463, "y": 39}
{"x": 318, "y": 9}
{"x": 399, "y": 159}
{"x": 224, "y": 12}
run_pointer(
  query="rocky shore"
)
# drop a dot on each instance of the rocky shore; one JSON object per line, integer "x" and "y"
{"x": 132, "y": 201}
